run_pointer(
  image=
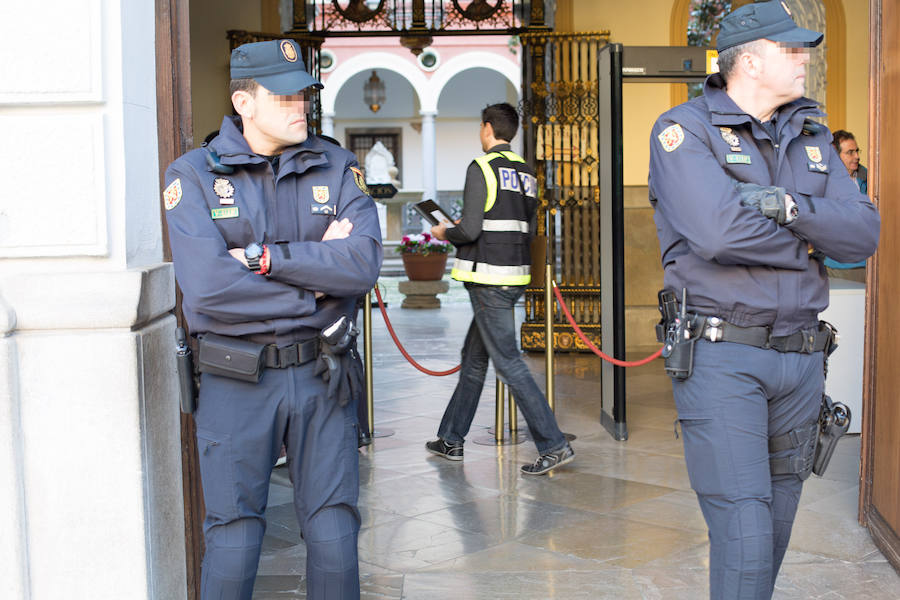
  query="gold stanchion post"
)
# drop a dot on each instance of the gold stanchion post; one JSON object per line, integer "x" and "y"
{"x": 498, "y": 417}
{"x": 548, "y": 333}
{"x": 367, "y": 356}
{"x": 513, "y": 415}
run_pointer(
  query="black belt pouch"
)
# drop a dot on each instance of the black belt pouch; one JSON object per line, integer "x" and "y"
{"x": 231, "y": 357}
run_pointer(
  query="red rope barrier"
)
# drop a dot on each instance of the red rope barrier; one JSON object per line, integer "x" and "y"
{"x": 595, "y": 349}
{"x": 400, "y": 346}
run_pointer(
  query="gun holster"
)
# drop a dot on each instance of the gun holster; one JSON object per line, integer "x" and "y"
{"x": 338, "y": 362}
{"x": 834, "y": 421}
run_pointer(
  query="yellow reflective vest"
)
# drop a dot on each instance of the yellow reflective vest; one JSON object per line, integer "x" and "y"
{"x": 501, "y": 255}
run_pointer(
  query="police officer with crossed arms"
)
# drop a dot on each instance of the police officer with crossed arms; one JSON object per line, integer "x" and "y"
{"x": 273, "y": 239}
{"x": 749, "y": 197}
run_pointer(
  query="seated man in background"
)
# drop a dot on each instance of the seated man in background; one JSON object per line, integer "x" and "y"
{"x": 845, "y": 145}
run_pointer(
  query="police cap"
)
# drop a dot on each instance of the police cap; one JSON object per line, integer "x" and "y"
{"x": 277, "y": 65}
{"x": 763, "y": 20}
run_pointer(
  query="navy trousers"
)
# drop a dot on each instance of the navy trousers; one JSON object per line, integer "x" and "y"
{"x": 240, "y": 430}
{"x": 492, "y": 334}
{"x": 737, "y": 398}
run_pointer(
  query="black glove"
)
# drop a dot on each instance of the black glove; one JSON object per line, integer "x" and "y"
{"x": 768, "y": 200}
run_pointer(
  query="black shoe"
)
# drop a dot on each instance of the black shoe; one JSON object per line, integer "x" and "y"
{"x": 445, "y": 449}
{"x": 547, "y": 462}
{"x": 363, "y": 439}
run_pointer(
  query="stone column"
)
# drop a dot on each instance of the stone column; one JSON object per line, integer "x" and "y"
{"x": 429, "y": 155}
{"x": 328, "y": 124}
{"x": 90, "y": 452}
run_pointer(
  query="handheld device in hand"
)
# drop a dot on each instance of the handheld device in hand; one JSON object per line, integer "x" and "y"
{"x": 431, "y": 212}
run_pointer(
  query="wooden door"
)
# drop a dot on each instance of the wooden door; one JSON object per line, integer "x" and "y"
{"x": 880, "y": 472}
{"x": 175, "y": 137}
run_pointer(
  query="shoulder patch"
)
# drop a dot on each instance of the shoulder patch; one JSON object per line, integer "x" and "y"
{"x": 172, "y": 194}
{"x": 671, "y": 137}
{"x": 360, "y": 180}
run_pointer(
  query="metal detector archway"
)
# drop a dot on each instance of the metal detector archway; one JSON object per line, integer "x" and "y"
{"x": 618, "y": 65}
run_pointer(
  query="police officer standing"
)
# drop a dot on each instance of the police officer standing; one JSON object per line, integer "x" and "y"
{"x": 274, "y": 237}
{"x": 748, "y": 198}
{"x": 493, "y": 258}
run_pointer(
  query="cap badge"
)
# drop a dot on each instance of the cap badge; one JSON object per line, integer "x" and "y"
{"x": 224, "y": 190}
{"x": 671, "y": 137}
{"x": 814, "y": 153}
{"x": 172, "y": 194}
{"x": 288, "y": 51}
{"x": 320, "y": 193}
{"x": 730, "y": 138}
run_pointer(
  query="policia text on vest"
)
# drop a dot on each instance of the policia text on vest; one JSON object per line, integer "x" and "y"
{"x": 501, "y": 255}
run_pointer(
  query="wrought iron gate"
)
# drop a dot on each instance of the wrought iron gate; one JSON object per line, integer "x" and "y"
{"x": 561, "y": 119}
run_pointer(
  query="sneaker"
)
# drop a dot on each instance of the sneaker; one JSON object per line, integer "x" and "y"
{"x": 547, "y": 462}
{"x": 447, "y": 450}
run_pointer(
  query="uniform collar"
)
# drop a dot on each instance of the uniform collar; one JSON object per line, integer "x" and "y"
{"x": 500, "y": 148}
{"x": 232, "y": 148}
{"x": 724, "y": 112}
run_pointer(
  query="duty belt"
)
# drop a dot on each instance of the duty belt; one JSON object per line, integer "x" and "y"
{"x": 805, "y": 341}
{"x": 290, "y": 356}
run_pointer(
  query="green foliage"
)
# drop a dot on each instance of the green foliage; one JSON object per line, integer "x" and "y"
{"x": 704, "y": 19}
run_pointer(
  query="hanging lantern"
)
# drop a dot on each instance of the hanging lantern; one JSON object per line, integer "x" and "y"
{"x": 373, "y": 92}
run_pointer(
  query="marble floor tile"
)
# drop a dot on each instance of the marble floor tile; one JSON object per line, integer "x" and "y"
{"x": 644, "y": 467}
{"x": 411, "y": 544}
{"x": 616, "y": 541}
{"x": 620, "y": 522}
{"x": 678, "y": 510}
{"x": 506, "y": 518}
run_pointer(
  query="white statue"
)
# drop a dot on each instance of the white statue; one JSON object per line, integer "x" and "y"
{"x": 380, "y": 166}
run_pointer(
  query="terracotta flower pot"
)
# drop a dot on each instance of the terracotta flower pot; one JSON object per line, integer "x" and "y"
{"x": 424, "y": 267}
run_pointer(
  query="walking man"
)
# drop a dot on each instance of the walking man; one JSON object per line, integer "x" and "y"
{"x": 493, "y": 259}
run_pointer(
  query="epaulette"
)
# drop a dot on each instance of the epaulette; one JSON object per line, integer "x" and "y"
{"x": 810, "y": 127}
{"x": 214, "y": 164}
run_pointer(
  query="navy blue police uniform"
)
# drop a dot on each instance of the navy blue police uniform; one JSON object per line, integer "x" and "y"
{"x": 287, "y": 205}
{"x": 741, "y": 269}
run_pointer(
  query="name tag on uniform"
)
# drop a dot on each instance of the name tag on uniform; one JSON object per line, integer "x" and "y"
{"x": 743, "y": 159}
{"x": 228, "y": 212}
{"x": 322, "y": 209}
{"x": 509, "y": 179}
{"x": 818, "y": 167}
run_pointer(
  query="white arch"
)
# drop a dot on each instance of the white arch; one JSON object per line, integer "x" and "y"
{"x": 366, "y": 61}
{"x": 463, "y": 62}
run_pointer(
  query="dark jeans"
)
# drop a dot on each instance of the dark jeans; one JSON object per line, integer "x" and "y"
{"x": 492, "y": 334}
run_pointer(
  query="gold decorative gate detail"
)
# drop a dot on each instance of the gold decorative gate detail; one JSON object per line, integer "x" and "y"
{"x": 561, "y": 120}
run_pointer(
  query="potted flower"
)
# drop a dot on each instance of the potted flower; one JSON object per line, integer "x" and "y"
{"x": 424, "y": 256}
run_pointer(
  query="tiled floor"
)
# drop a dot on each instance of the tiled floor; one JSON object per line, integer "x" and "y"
{"x": 619, "y": 522}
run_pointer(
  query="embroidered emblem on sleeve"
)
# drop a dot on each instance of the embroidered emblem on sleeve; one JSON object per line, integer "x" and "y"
{"x": 814, "y": 153}
{"x": 172, "y": 194}
{"x": 360, "y": 180}
{"x": 671, "y": 137}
